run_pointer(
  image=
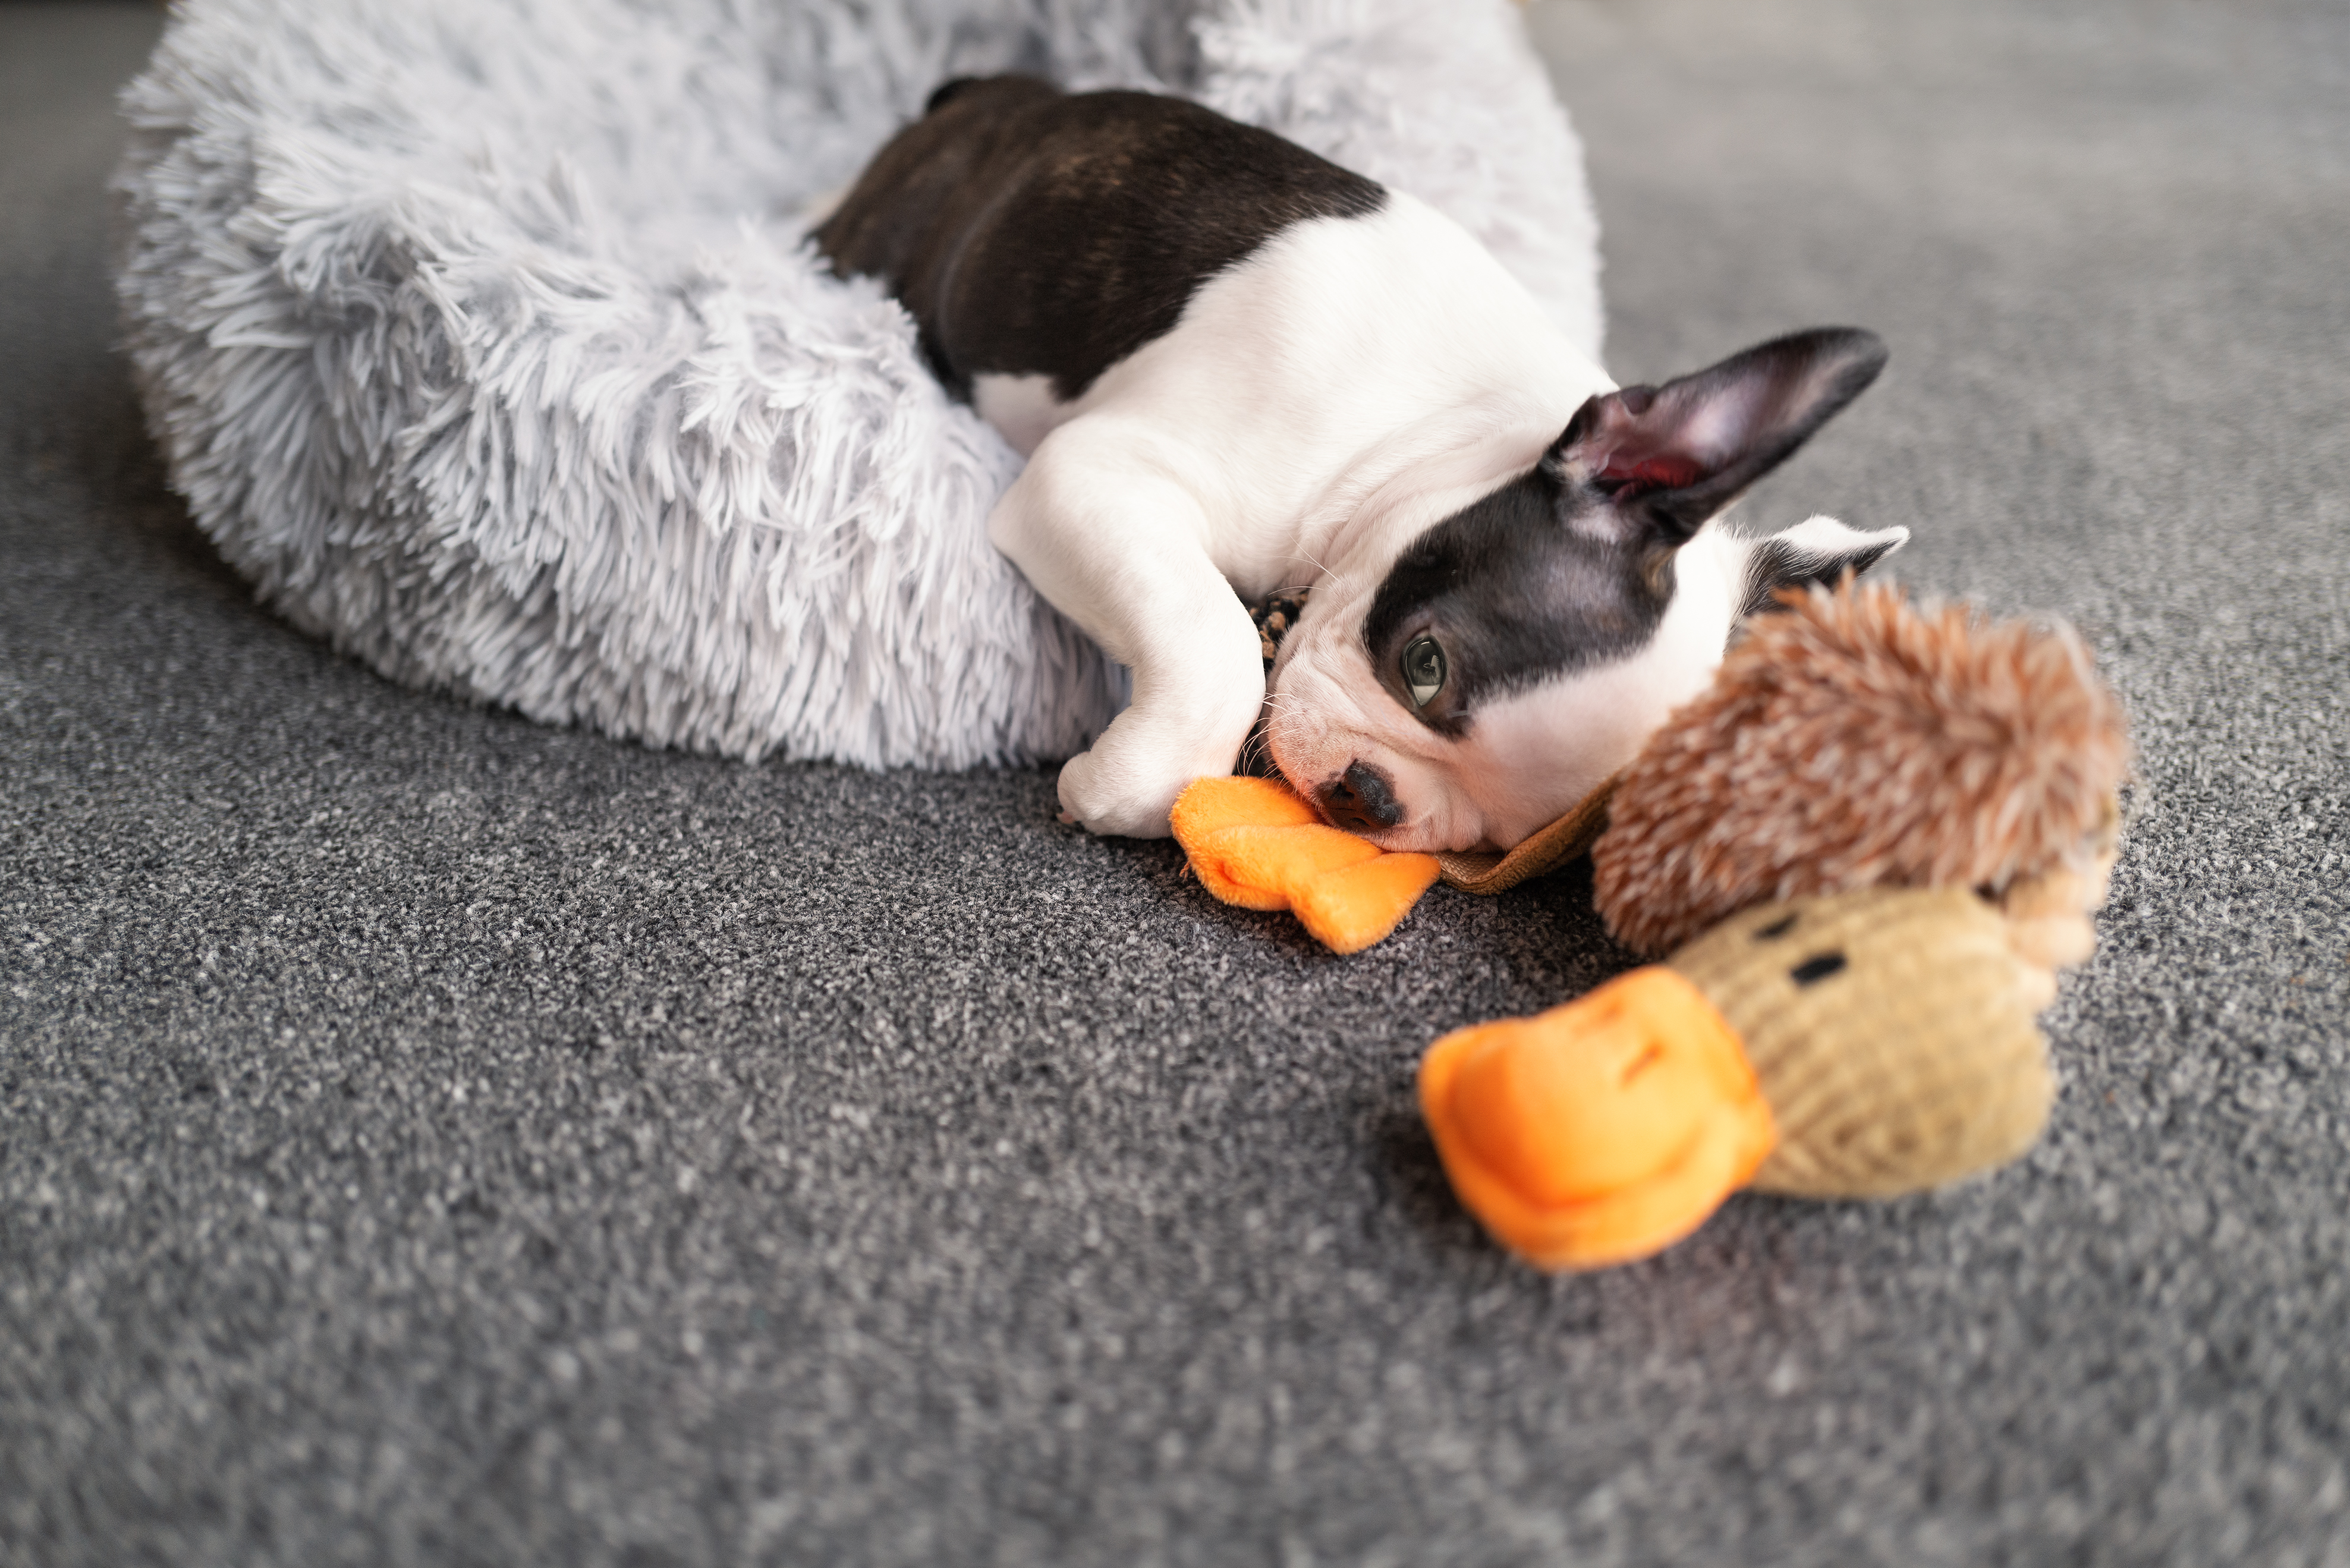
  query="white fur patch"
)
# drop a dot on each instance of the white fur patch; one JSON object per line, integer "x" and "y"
{"x": 1022, "y": 408}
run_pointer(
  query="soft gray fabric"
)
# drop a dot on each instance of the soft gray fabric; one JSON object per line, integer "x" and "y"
{"x": 428, "y": 1137}
{"x": 482, "y": 334}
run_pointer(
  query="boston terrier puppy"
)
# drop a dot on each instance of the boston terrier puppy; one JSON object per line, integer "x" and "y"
{"x": 1236, "y": 367}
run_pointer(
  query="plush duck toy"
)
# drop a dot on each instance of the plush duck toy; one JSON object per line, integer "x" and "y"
{"x": 1868, "y": 847}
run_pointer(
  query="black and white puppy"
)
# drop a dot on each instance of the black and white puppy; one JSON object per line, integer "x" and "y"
{"x": 1235, "y": 366}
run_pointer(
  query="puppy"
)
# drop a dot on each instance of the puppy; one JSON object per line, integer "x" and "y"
{"x": 1234, "y": 367}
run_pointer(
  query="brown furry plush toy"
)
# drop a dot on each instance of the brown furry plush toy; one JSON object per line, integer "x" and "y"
{"x": 1855, "y": 741}
{"x": 1869, "y": 846}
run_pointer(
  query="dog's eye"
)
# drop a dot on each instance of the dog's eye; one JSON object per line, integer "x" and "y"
{"x": 1423, "y": 670}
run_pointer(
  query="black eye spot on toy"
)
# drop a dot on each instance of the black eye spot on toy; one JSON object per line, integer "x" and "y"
{"x": 1813, "y": 970}
{"x": 1776, "y": 929}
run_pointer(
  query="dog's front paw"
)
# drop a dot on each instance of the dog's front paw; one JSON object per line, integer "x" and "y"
{"x": 1187, "y": 722}
{"x": 1102, "y": 796}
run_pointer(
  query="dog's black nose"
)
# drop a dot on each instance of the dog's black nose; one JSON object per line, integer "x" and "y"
{"x": 1361, "y": 800}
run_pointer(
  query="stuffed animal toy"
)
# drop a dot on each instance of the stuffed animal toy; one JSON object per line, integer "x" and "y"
{"x": 1869, "y": 846}
{"x": 1257, "y": 843}
{"x": 1858, "y": 742}
{"x": 1860, "y": 1046}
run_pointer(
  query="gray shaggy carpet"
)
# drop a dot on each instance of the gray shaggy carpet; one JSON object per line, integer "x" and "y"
{"x": 430, "y": 1137}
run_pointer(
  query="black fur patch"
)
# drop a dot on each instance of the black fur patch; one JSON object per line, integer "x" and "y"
{"x": 1515, "y": 592}
{"x": 948, "y": 91}
{"x": 1033, "y": 232}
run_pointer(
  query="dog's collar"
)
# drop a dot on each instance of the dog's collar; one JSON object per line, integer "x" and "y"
{"x": 1275, "y": 615}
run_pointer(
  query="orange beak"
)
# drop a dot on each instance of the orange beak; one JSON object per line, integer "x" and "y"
{"x": 1602, "y": 1131}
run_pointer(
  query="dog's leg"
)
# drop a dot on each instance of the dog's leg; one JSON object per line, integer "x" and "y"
{"x": 1119, "y": 545}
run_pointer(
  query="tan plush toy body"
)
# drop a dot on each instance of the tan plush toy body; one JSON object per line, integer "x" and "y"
{"x": 1861, "y": 1046}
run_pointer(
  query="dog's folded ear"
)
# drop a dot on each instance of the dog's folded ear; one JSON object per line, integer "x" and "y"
{"x": 1674, "y": 455}
{"x": 1819, "y": 551}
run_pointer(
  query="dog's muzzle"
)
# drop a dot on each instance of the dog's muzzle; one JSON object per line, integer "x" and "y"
{"x": 1360, "y": 800}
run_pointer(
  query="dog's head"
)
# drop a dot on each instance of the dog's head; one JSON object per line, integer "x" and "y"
{"x": 1518, "y": 651}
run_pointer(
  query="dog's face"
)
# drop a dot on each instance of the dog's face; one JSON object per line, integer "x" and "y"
{"x": 1519, "y": 650}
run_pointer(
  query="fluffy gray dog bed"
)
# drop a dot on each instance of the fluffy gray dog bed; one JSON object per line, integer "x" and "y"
{"x": 480, "y": 334}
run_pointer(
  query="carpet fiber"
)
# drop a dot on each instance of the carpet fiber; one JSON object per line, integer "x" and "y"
{"x": 430, "y": 1137}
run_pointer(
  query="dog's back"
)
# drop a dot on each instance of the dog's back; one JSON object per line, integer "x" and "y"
{"x": 1031, "y": 233}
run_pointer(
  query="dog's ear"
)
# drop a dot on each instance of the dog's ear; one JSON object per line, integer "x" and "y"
{"x": 1672, "y": 456}
{"x": 1818, "y": 550}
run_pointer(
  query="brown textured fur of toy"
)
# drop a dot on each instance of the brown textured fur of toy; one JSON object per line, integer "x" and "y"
{"x": 1856, "y": 741}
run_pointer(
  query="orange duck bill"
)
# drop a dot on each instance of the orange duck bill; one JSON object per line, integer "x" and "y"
{"x": 1602, "y": 1131}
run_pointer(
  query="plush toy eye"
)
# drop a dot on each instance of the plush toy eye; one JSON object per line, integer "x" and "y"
{"x": 1423, "y": 670}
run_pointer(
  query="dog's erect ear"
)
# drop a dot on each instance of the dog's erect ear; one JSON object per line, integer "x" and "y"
{"x": 1674, "y": 455}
